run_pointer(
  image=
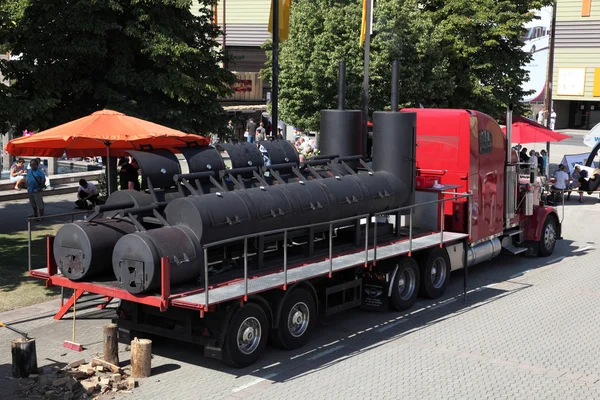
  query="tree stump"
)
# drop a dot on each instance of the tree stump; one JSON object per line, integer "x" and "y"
{"x": 111, "y": 344}
{"x": 141, "y": 358}
{"x": 24, "y": 357}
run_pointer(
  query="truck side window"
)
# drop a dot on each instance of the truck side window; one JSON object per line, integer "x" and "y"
{"x": 485, "y": 141}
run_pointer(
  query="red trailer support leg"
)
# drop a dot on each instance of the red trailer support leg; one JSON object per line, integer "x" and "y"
{"x": 67, "y": 306}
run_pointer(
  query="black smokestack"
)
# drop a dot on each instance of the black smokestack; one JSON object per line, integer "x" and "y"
{"x": 395, "y": 85}
{"x": 341, "y": 85}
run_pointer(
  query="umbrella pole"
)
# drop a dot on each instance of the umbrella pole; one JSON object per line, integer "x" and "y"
{"x": 547, "y": 159}
{"x": 108, "y": 169}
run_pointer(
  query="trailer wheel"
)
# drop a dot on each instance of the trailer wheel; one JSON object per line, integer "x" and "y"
{"x": 405, "y": 285}
{"x": 246, "y": 336}
{"x": 548, "y": 238}
{"x": 296, "y": 320}
{"x": 435, "y": 272}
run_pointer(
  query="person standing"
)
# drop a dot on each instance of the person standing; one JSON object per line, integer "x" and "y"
{"x": 251, "y": 128}
{"x": 540, "y": 117}
{"x": 261, "y": 128}
{"x": 533, "y": 159}
{"x": 128, "y": 174}
{"x": 18, "y": 173}
{"x": 36, "y": 180}
{"x": 523, "y": 157}
{"x": 544, "y": 161}
{"x": 552, "y": 119}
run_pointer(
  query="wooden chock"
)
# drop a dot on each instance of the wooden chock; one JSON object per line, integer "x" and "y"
{"x": 24, "y": 357}
{"x": 111, "y": 344}
{"x": 141, "y": 358}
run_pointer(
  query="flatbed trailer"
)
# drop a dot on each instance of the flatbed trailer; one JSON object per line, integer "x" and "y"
{"x": 380, "y": 273}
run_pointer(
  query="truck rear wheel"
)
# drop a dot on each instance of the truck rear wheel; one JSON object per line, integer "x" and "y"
{"x": 435, "y": 272}
{"x": 548, "y": 237}
{"x": 296, "y": 320}
{"x": 246, "y": 336}
{"x": 405, "y": 285}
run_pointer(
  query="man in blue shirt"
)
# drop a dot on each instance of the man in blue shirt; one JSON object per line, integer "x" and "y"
{"x": 36, "y": 180}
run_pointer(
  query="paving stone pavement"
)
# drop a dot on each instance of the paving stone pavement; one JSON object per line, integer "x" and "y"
{"x": 528, "y": 330}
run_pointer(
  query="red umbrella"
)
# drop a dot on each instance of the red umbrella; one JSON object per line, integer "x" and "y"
{"x": 523, "y": 132}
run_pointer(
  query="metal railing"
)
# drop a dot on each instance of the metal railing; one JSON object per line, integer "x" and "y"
{"x": 330, "y": 224}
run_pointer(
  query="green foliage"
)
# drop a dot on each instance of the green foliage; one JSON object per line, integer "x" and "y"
{"x": 452, "y": 53}
{"x": 151, "y": 59}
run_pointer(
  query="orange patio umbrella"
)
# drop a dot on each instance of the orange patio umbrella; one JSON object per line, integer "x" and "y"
{"x": 104, "y": 131}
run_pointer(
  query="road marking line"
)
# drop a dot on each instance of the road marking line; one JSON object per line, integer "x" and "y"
{"x": 390, "y": 325}
{"x": 583, "y": 249}
{"x": 557, "y": 259}
{"x": 324, "y": 353}
{"x": 254, "y": 382}
{"x": 445, "y": 303}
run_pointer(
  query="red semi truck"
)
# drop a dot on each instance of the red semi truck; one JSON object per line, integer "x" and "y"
{"x": 482, "y": 204}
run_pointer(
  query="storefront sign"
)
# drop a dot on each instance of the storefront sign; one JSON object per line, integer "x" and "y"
{"x": 571, "y": 82}
{"x": 243, "y": 85}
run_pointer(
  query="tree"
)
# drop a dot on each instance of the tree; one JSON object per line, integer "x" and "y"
{"x": 452, "y": 54}
{"x": 151, "y": 59}
{"x": 482, "y": 41}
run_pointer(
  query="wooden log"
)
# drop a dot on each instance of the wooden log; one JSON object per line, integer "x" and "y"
{"x": 141, "y": 358}
{"x": 111, "y": 344}
{"x": 24, "y": 357}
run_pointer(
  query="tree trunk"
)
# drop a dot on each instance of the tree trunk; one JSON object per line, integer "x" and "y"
{"x": 24, "y": 357}
{"x": 141, "y": 358}
{"x": 111, "y": 344}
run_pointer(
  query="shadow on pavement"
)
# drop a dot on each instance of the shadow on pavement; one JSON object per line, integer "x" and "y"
{"x": 349, "y": 334}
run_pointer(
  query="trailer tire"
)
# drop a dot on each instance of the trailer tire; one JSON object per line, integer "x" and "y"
{"x": 246, "y": 336}
{"x": 296, "y": 320}
{"x": 405, "y": 286}
{"x": 435, "y": 272}
{"x": 548, "y": 237}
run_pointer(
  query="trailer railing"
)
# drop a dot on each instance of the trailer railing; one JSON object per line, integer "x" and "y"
{"x": 331, "y": 224}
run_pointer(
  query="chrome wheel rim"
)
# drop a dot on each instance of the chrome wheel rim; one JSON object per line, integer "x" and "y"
{"x": 438, "y": 272}
{"x": 298, "y": 319}
{"x": 249, "y": 335}
{"x": 549, "y": 236}
{"x": 406, "y": 284}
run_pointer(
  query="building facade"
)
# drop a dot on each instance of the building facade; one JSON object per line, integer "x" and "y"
{"x": 245, "y": 26}
{"x": 576, "y": 72}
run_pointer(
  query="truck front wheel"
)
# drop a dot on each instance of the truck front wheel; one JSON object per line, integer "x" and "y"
{"x": 548, "y": 238}
{"x": 435, "y": 272}
{"x": 297, "y": 318}
{"x": 246, "y": 336}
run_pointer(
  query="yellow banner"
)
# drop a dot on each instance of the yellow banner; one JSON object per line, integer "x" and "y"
{"x": 284, "y": 19}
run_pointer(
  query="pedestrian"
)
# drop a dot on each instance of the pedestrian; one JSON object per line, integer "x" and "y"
{"x": 18, "y": 173}
{"x": 260, "y": 135}
{"x": 87, "y": 192}
{"x": 128, "y": 174}
{"x": 523, "y": 157}
{"x": 251, "y": 129}
{"x": 575, "y": 183}
{"x": 544, "y": 161}
{"x": 540, "y": 117}
{"x": 532, "y": 159}
{"x": 279, "y": 133}
{"x": 42, "y": 168}
{"x": 261, "y": 128}
{"x": 35, "y": 182}
{"x": 552, "y": 119}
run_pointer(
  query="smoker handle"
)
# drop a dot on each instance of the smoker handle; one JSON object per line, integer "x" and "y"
{"x": 193, "y": 175}
{"x": 138, "y": 210}
{"x": 277, "y": 167}
{"x": 113, "y": 207}
{"x": 350, "y": 158}
{"x": 312, "y": 161}
{"x": 235, "y": 171}
{"x": 326, "y": 157}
